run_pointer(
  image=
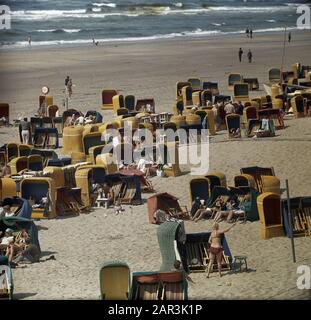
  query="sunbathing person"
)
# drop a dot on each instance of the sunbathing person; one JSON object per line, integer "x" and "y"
{"x": 30, "y": 254}
{"x": 19, "y": 244}
{"x": 6, "y": 241}
{"x": 225, "y": 212}
{"x": 205, "y": 211}
{"x": 202, "y": 213}
{"x": 232, "y": 212}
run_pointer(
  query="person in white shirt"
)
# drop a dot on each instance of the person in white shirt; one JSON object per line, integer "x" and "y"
{"x": 8, "y": 238}
{"x": 80, "y": 120}
{"x": 229, "y": 108}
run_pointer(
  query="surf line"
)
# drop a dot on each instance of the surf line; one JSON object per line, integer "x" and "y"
{"x": 120, "y": 310}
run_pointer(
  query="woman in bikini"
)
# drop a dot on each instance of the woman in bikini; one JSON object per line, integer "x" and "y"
{"x": 216, "y": 248}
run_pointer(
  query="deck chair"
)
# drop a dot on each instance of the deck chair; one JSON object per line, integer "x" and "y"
{"x": 212, "y": 86}
{"x": 240, "y": 92}
{"x": 274, "y": 75}
{"x": 234, "y": 78}
{"x": 195, "y": 83}
{"x": 129, "y": 102}
{"x": 179, "y": 86}
{"x": 107, "y": 95}
{"x": 253, "y": 83}
{"x": 5, "y": 112}
{"x": 114, "y": 281}
{"x": 305, "y": 209}
{"x": 206, "y": 95}
{"x": 233, "y": 123}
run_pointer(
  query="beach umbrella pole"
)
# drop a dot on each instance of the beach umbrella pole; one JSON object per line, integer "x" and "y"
{"x": 290, "y": 223}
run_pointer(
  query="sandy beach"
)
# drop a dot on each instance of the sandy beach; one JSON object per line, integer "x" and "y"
{"x": 151, "y": 69}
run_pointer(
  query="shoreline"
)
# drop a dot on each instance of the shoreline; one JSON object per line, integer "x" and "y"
{"x": 182, "y": 37}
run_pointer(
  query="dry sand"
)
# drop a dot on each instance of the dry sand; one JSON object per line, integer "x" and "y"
{"x": 81, "y": 244}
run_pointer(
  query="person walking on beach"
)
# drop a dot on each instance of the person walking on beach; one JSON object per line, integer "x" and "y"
{"x": 247, "y": 32}
{"x": 240, "y": 54}
{"x": 216, "y": 249}
{"x": 251, "y": 33}
{"x": 68, "y": 86}
{"x": 249, "y": 56}
{"x": 289, "y": 37}
{"x": 29, "y": 41}
{"x": 25, "y": 130}
{"x": 66, "y": 81}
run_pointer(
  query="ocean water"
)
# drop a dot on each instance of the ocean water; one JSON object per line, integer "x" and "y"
{"x": 65, "y": 22}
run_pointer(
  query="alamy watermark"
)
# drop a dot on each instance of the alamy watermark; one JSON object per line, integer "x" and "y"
{"x": 5, "y": 17}
{"x": 163, "y": 147}
{"x": 304, "y": 280}
{"x": 304, "y": 20}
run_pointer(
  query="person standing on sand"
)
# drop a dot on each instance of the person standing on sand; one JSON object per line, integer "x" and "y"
{"x": 68, "y": 86}
{"x": 240, "y": 54}
{"x": 251, "y": 34}
{"x": 66, "y": 81}
{"x": 247, "y": 32}
{"x": 289, "y": 37}
{"x": 29, "y": 41}
{"x": 25, "y": 128}
{"x": 216, "y": 249}
{"x": 249, "y": 56}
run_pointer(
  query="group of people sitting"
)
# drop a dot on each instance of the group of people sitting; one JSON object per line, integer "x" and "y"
{"x": 143, "y": 155}
{"x": 77, "y": 119}
{"x": 222, "y": 109}
{"x": 17, "y": 246}
{"x": 102, "y": 191}
{"x": 230, "y": 209}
